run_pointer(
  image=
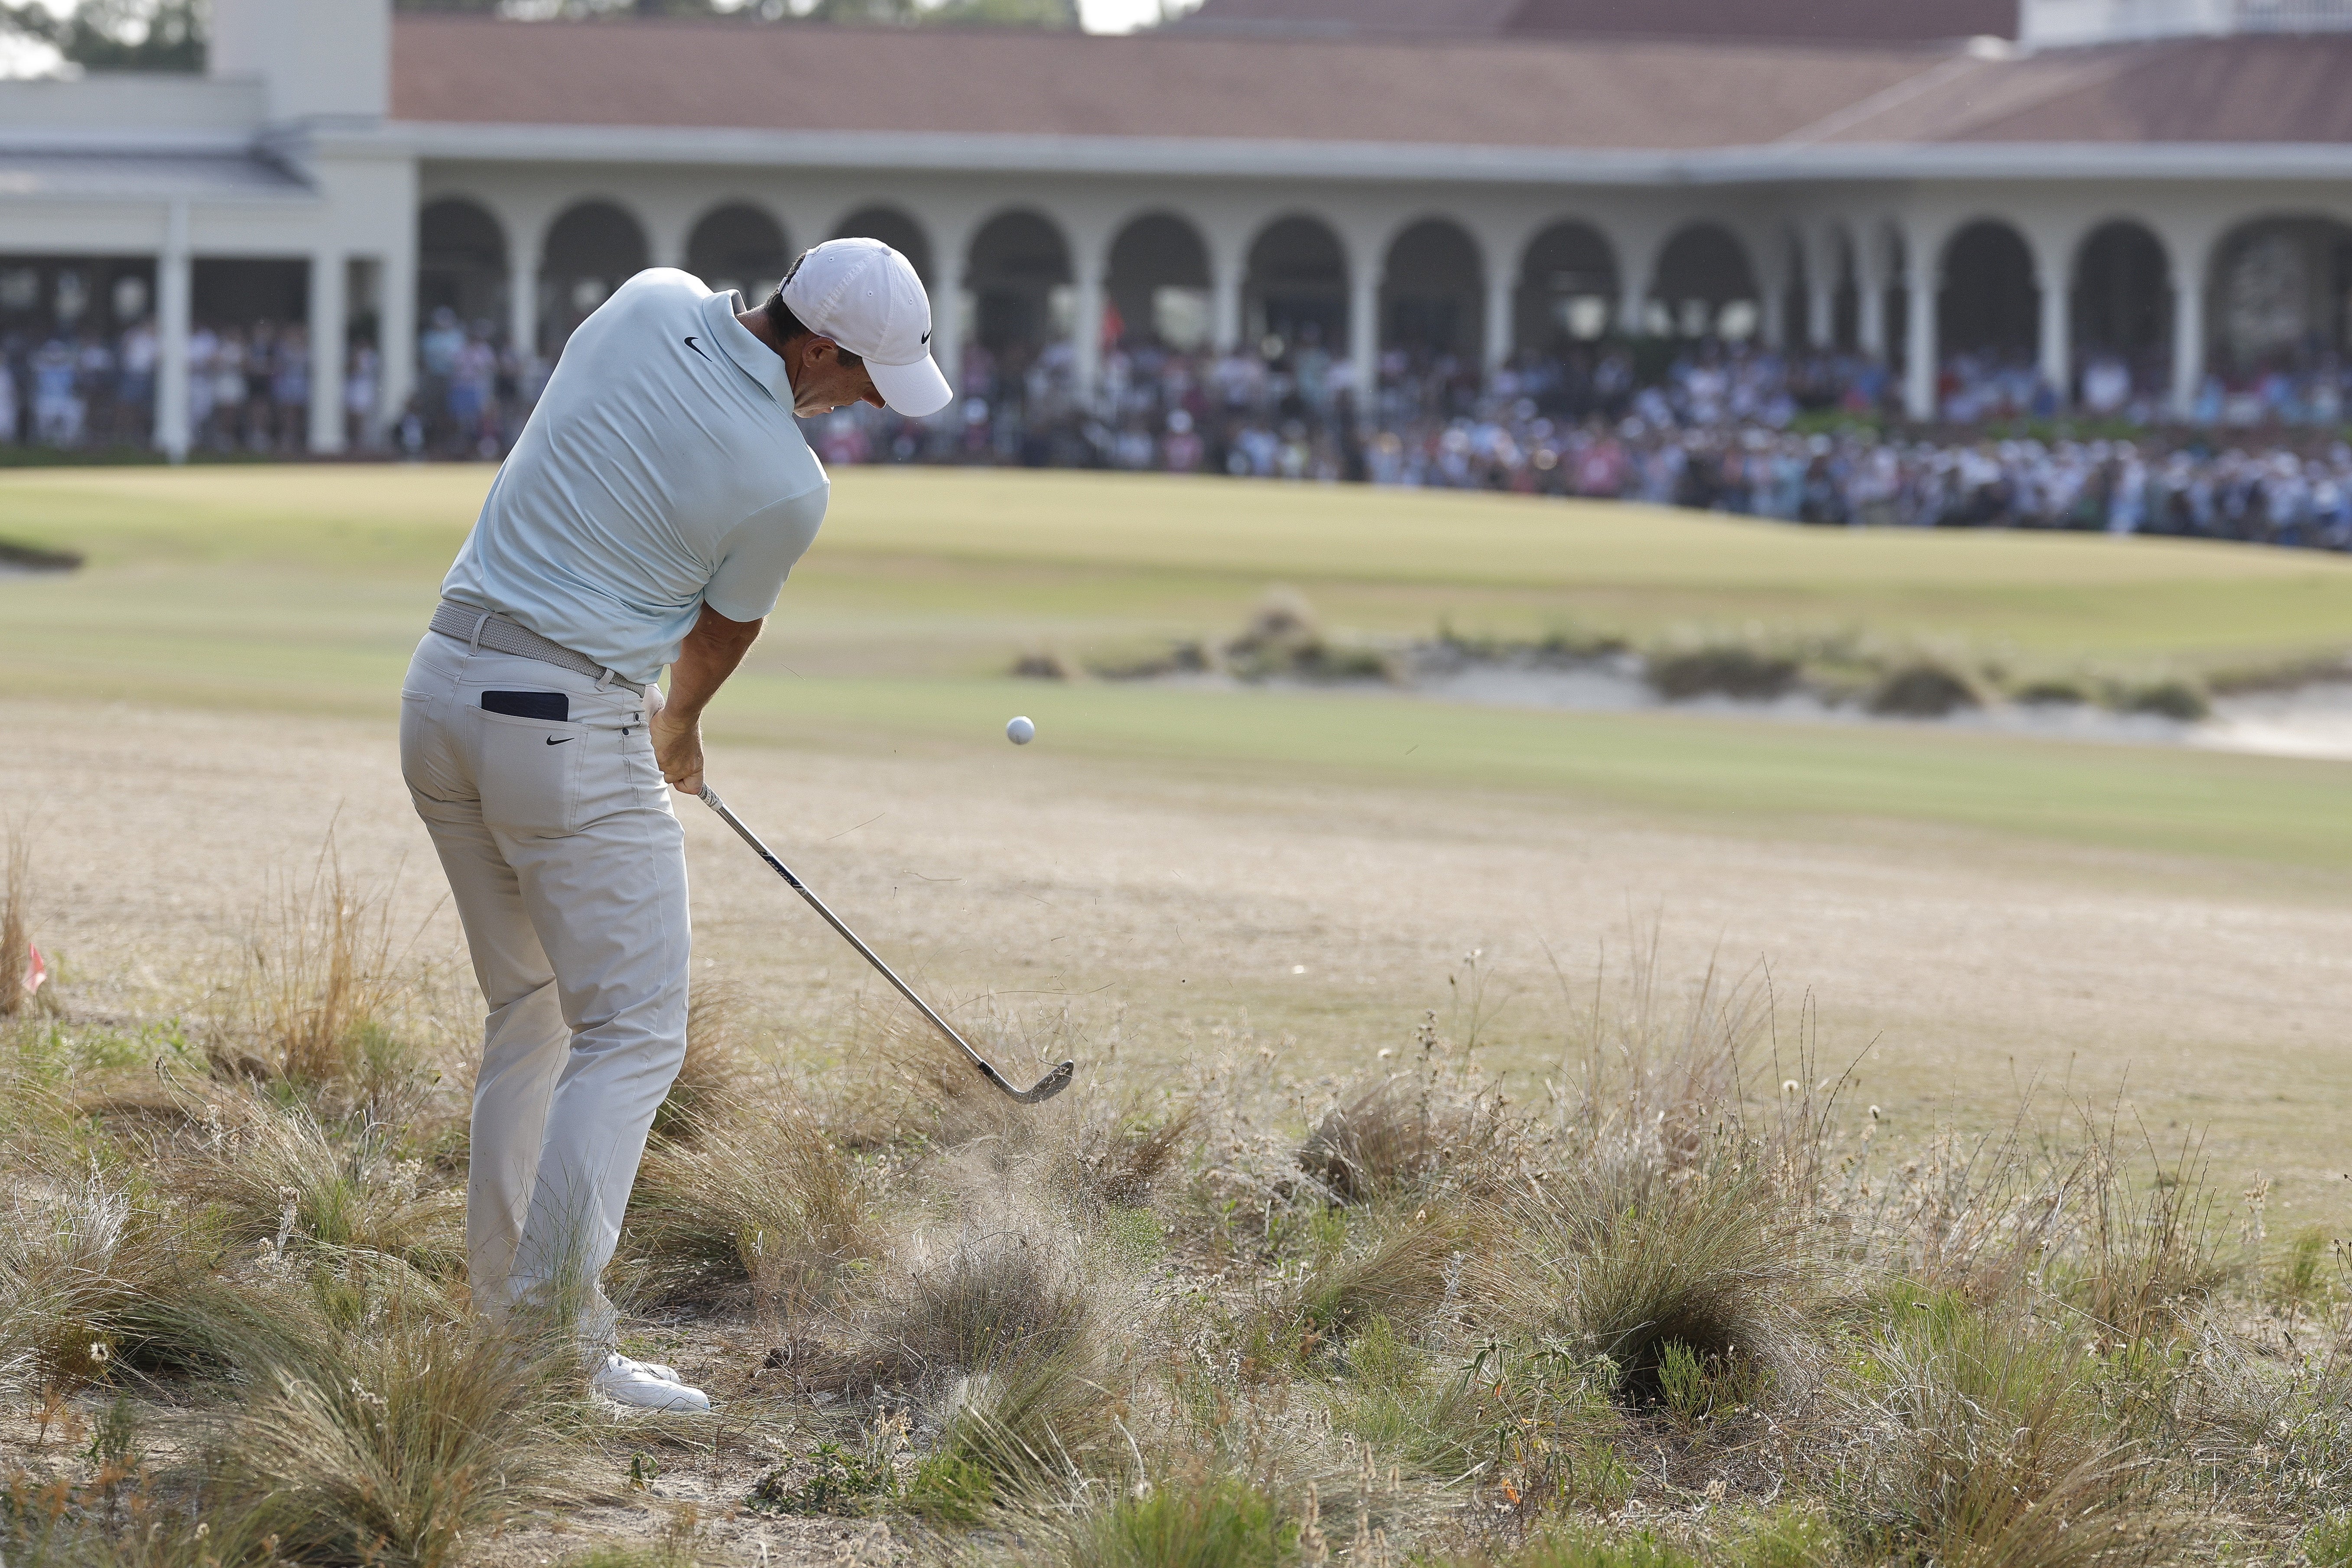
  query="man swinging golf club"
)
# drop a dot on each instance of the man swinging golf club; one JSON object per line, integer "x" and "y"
{"x": 648, "y": 517}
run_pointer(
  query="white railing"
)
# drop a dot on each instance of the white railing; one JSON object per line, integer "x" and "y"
{"x": 2055, "y": 24}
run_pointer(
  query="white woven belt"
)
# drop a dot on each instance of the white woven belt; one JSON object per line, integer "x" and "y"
{"x": 479, "y": 628}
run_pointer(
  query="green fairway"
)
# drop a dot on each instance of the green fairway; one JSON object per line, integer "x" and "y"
{"x": 974, "y": 556}
{"x": 303, "y": 589}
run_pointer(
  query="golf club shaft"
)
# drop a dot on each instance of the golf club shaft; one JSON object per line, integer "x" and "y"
{"x": 711, "y": 798}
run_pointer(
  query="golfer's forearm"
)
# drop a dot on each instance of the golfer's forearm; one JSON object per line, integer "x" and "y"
{"x": 706, "y": 658}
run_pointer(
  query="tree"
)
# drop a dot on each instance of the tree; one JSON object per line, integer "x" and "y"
{"x": 1006, "y": 12}
{"x": 169, "y": 34}
{"x": 116, "y": 35}
{"x": 886, "y": 13}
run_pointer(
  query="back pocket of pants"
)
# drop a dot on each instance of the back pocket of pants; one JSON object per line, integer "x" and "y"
{"x": 528, "y": 773}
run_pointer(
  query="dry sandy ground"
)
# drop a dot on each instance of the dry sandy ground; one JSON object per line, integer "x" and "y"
{"x": 1164, "y": 914}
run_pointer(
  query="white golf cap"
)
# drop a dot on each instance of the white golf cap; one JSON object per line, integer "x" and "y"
{"x": 865, "y": 296}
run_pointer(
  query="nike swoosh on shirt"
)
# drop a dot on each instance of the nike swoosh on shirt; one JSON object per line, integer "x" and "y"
{"x": 690, "y": 343}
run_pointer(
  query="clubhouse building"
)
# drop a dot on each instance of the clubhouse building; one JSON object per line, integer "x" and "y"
{"x": 2165, "y": 182}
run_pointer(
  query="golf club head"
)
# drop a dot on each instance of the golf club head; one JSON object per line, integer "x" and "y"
{"x": 1052, "y": 1084}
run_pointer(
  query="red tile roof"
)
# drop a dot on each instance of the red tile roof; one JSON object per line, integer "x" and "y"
{"x": 1840, "y": 21}
{"x": 1613, "y": 94}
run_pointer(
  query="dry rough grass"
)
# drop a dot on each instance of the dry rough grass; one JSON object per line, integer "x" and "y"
{"x": 1681, "y": 1307}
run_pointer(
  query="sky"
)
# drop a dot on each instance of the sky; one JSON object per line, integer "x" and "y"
{"x": 1122, "y": 16}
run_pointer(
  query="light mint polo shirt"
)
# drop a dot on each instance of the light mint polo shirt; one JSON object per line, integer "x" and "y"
{"x": 661, "y": 472}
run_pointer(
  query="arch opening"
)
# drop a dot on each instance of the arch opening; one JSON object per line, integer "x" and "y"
{"x": 1432, "y": 290}
{"x": 590, "y": 250}
{"x": 2281, "y": 295}
{"x": 1157, "y": 284}
{"x": 461, "y": 261}
{"x": 1568, "y": 290}
{"x": 1019, "y": 276}
{"x": 737, "y": 246}
{"x": 895, "y": 229}
{"x": 1702, "y": 287}
{"x": 1989, "y": 303}
{"x": 1297, "y": 286}
{"x": 2122, "y": 316}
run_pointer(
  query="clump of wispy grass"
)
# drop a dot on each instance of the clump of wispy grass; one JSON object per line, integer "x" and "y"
{"x": 717, "y": 1068}
{"x": 1977, "y": 1437}
{"x": 1285, "y": 637}
{"x": 749, "y": 1194}
{"x": 319, "y": 1007}
{"x": 1692, "y": 666}
{"x": 1926, "y": 687}
{"x": 1194, "y": 1518}
{"x": 395, "y": 1434}
{"x": 1625, "y": 1264}
{"x": 278, "y": 1175}
{"x": 94, "y": 1277}
{"x": 1660, "y": 1079}
{"x": 1015, "y": 1344}
{"x": 1403, "y": 1266}
{"x": 1439, "y": 1126}
{"x": 16, "y": 921}
{"x": 2150, "y": 1256}
{"x": 1118, "y": 1155}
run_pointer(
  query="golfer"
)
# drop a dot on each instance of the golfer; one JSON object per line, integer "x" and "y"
{"x": 648, "y": 517}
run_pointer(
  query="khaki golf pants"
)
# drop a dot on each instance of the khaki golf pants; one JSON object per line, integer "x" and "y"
{"x": 568, "y": 868}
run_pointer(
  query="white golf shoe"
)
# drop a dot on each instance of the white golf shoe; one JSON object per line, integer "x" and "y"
{"x": 648, "y": 1385}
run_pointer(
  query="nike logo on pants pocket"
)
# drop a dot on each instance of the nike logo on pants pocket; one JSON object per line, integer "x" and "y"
{"x": 560, "y": 739}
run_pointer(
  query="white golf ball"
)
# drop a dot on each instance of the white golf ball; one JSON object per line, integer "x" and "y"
{"x": 1021, "y": 731}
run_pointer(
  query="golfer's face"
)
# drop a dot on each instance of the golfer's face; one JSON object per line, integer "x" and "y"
{"x": 827, "y": 384}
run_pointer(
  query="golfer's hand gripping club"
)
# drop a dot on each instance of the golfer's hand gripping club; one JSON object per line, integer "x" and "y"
{"x": 1046, "y": 1088}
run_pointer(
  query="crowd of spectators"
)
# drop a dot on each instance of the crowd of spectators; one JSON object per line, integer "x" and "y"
{"x": 77, "y": 388}
{"x": 1716, "y": 428}
{"x": 249, "y": 387}
{"x": 1721, "y": 427}
{"x": 473, "y": 390}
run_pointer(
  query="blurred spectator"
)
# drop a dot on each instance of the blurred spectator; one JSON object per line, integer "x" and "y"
{"x": 134, "y": 400}
{"x": 289, "y": 390}
{"x": 360, "y": 376}
{"x": 56, "y": 407}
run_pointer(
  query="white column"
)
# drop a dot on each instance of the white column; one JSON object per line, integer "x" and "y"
{"x": 1821, "y": 288}
{"x": 396, "y": 329}
{"x": 1502, "y": 313}
{"x": 1773, "y": 328}
{"x": 329, "y": 316}
{"x": 2188, "y": 326}
{"x": 2057, "y": 358}
{"x": 1364, "y": 327}
{"x": 950, "y": 240}
{"x": 1635, "y": 244}
{"x": 522, "y": 299}
{"x": 1225, "y": 303}
{"x": 1869, "y": 295}
{"x": 1087, "y": 332}
{"x": 174, "y": 288}
{"x": 1632, "y": 296}
{"x": 1922, "y": 284}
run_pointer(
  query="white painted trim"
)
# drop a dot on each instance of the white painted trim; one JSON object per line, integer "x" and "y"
{"x": 1223, "y": 157}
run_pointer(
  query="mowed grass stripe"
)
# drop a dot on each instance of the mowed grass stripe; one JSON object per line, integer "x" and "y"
{"x": 303, "y": 589}
{"x": 1064, "y": 544}
{"x": 1737, "y": 770}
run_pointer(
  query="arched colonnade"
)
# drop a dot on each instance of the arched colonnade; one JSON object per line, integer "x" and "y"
{"x": 2080, "y": 304}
